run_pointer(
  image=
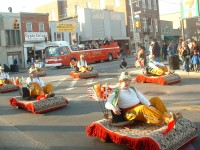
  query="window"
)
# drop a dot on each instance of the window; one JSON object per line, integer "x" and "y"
{"x": 145, "y": 24}
{"x": 143, "y": 3}
{"x": 76, "y": 9}
{"x": 156, "y": 25}
{"x": 52, "y": 51}
{"x": 41, "y": 27}
{"x": 58, "y": 37}
{"x": 63, "y": 50}
{"x": 89, "y": 4}
{"x": 29, "y": 27}
{"x": 117, "y": 3}
{"x": 102, "y": 4}
{"x": 149, "y": 4}
{"x": 155, "y": 4}
{"x": 137, "y": 4}
{"x": 13, "y": 37}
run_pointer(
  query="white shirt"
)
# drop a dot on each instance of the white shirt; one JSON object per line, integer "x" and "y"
{"x": 4, "y": 75}
{"x": 81, "y": 63}
{"x": 127, "y": 98}
{"x": 157, "y": 63}
{"x": 36, "y": 80}
{"x": 39, "y": 64}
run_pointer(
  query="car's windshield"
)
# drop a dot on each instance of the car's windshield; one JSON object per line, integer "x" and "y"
{"x": 52, "y": 51}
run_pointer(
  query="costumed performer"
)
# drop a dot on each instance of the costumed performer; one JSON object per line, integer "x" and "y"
{"x": 82, "y": 65}
{"x": 39, "y": 65}
{"x": 4, "y": 77}
{"x": 129, "y": 101}
{"x": 37, "y": 87}
{"x": 160, "y": 69}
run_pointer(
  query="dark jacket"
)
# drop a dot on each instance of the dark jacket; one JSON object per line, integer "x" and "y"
{"x": 156, "y": 50}
{"x": 164, "y": 49}
{"x": 186, "y": 53}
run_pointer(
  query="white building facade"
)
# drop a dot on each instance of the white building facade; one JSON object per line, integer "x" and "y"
{"x": 11, "y": 47}
{"x": 97, "y": 24}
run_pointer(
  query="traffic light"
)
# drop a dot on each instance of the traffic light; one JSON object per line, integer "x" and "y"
{"x": 138, "y": 24}
{"x": 16, "y": 24}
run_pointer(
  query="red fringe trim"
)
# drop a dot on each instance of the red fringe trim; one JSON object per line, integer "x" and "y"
{"x": 158, "y": 80}
{"x": 9, "y": 90}
{"x": 97, "y": 130}
{"x": 30, "y": 107}
{"x": 77, "y": 75}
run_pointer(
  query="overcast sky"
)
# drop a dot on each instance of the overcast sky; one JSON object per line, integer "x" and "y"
{"x": 165, "y": 6}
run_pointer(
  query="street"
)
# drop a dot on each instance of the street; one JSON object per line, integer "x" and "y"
{"x": 65, "y": 128}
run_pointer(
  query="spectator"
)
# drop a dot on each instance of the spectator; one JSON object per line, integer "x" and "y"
{"x": 195, "y": 60}
{"x": 186, "y": 56}
{"x": 156, "y": 51}
{"x": 164, "y": 51}
{"x": 171, "y": 48}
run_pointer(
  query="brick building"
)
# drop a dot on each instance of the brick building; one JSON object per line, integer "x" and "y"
{"x": 144, "y": 21}
{"x": 35, "y": 30}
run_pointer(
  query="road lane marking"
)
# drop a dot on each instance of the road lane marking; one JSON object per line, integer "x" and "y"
{"x": 71, "y": 86}
{"x": 58, "y": 82}
{"x": 82, "y": 96}
{"x": 107, "y": 79}
{"x": 69, "y": 89}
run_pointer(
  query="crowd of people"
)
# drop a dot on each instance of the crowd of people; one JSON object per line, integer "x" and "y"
{"x": 93, "y": 44}
{"x": 188, "y": 52}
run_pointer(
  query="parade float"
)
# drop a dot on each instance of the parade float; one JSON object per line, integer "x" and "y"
{"x": 140, "y": 135}
{"x": 10, "y": 86}
{"x": 159, "y": 74}
{"x": 84, "y": 73}
{"x": 39, "y": 106}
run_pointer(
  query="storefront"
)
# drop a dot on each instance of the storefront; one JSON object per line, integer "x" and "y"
{"x": 33, "y": 46}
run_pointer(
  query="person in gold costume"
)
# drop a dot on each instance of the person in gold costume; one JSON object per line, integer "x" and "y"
{"x": 36, "y": 86}
{"x": 4, "y": 77}
{"x": 134, "y": 105}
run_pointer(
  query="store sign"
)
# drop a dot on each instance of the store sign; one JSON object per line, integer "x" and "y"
{"x": 35, "y": 36}
{"x": 65, "y": 27}
{"x": 189, "y": 8}
{"x": 136, "y": 37}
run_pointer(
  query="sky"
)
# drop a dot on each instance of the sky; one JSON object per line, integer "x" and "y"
{"x": 165, "y": 6}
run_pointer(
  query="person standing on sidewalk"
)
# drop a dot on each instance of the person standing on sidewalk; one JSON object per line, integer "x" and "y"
{"x": 186, "y": 56}
{"x": 156, "y": 51}
{"x": 164, "y": 51}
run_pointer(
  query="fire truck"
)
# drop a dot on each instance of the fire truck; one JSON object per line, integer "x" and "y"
{"x": 60, "y": 53}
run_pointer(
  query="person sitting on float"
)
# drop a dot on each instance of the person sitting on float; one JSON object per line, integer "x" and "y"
{"x": 39, "y": 65}
{"x": 134, "y": 105}
{"x": 4, "y": 77}
{"x": 160, "y": 66}
{"x": 82, "y": 65}
{"x": 37, "y": 87}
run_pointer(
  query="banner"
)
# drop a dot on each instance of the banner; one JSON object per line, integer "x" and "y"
{"x": 65, "y": 27}
{"x": 35, "y": 36}
{"x": 190, "y": 8}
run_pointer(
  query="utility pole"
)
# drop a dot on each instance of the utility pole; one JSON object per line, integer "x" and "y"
{"x": 133, "y": 21}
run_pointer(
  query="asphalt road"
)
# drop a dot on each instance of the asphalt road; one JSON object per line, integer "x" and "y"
{"x": 65, "y": 128}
